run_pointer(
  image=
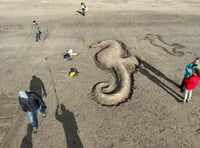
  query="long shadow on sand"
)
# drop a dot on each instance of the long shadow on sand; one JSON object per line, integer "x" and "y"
{"x": 27, "y": 140}
{"x": 80, "y": 12}
{"x": 145, "y": 71}
{"x": 37, "y": 86}
{"x": 70, "y": 127}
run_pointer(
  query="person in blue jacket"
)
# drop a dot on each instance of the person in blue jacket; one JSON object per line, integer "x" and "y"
{"x": 189, "y": 70}
{"x": 32, "y": 104}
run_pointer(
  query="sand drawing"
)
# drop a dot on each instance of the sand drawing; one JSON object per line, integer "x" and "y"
{"x": 115, "y": 58}
{"x": 157, "y": 41}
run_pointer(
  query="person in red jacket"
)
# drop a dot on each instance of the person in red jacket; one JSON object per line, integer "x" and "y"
{"x": 190, "y": 84}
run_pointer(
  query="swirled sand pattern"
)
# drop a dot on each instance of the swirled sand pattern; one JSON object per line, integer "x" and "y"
{"x": 115, "y": 58}
{"x": 157, "y": 41}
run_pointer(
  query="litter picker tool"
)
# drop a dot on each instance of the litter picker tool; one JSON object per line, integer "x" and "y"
{"x": 54, "y": 88}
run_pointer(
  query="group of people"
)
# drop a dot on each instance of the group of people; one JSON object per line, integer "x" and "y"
{"x": 36, "y": 27}
{"x": 191, "y": 79}
{"x": 33, "y": 104}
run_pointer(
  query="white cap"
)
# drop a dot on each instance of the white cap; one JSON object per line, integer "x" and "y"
{"x": 22, "y": 94}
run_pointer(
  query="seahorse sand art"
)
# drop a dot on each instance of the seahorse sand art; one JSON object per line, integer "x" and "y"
{"x": 114, "y": 57}
{"x": 157, "y": 41}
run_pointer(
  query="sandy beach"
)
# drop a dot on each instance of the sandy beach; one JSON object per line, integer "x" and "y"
{"x": 145, "y": 109}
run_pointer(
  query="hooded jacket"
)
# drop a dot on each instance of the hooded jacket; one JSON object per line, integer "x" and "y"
{"x": 32, "y": 103}
{"x": 190, "y": 69}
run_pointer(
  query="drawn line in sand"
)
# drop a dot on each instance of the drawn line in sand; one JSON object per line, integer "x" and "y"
{"x": 157, "y": 41}
{"x": 115, "y": 58}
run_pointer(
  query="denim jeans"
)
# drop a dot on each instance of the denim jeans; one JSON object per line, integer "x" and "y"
{"x": 37, "y": 36}
{"x": 32, "y": 117}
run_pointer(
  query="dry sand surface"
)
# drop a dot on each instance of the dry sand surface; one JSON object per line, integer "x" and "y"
{"x": 164, "y": 34}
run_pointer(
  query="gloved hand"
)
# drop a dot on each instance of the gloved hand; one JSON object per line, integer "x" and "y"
{"x": 43, "y": 108}
{"x": 189, "y": 70}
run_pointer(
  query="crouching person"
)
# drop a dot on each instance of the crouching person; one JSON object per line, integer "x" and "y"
{"x": 32, "y": 104}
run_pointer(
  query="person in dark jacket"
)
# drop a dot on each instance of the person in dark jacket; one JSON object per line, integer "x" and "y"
{"x": 32, "y": 104}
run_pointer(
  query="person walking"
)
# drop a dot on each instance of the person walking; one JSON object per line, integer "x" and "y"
{"x": 32, "y": 104}
{"x": 37, "y": 31}
{"x": 189, "y": 70}
{"x": 83, "y": 8}
{"x": 190, "y": 84}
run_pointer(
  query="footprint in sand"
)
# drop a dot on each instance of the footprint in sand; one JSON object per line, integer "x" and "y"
{"x": 114, "y": 57}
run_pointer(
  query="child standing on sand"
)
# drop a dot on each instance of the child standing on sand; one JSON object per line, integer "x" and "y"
{"x": 37, "y": 31}
{"x": 190, "y": 84}
{"x": 83, "y": 8}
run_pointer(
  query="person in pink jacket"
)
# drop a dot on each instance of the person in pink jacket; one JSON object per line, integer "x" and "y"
{"x": 190, "y": 84}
